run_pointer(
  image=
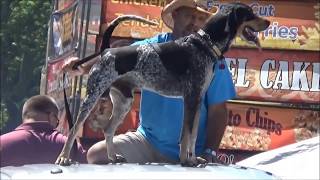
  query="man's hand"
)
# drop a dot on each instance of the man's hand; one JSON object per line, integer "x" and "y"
{"x": 67, "y": 67}
{"x": 212, "y": 159}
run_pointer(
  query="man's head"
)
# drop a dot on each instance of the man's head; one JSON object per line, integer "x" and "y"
{"x": 40, "y": 108}
{"x": 187, "y": 16}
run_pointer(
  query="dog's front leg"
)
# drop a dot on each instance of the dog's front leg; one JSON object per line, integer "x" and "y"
{"x": 184, "y": 141}
{"x": 199, "y": 161}
{"x": 189, "y": 136}
{"x": 190, "y": 131}
{"x": 64, "y": 157}
{"x": 85, "y": 109}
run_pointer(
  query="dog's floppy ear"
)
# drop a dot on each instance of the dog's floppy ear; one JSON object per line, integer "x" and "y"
{"x": 236, "y": 15}
{"x": 231, "y": 19}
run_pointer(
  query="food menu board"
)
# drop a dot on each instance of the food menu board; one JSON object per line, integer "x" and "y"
{"x": 294, "y": 24}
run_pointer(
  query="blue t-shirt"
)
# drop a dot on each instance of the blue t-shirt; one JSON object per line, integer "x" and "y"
{"x": 161, "y": 117}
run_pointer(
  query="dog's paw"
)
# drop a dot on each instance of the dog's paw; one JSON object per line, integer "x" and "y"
{"x": 118, "y": 159}
{"x": 195, "y": 162}
{"x": 63, "y": 161}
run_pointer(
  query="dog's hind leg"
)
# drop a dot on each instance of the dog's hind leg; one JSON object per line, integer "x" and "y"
{"x": 121, "y": 94}
{"x": 85, "y": 109}
{"x": 99, "y": 81}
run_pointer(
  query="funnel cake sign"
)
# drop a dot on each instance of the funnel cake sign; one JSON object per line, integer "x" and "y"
{"x": 275, "y": 75}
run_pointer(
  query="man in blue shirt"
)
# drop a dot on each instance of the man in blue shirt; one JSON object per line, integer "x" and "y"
{"x": 158, "y": 135}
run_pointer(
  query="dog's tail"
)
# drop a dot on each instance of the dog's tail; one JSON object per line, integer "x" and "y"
{"x": 108, "y": 33}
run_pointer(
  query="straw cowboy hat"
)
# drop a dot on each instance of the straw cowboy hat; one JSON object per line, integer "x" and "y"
{"x": 204, "y": 6}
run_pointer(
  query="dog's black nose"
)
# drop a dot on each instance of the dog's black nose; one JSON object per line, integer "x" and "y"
{"x": 267, "y": 22}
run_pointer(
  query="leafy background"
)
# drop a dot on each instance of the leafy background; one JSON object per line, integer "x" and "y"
{"x": 23, "y": 33}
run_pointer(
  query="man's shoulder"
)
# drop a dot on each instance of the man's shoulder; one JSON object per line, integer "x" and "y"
{"x": 15, "y": 136}
{"x": 164, "y": 37}
{"x": 27, "y": 132}
{"x": 159, "y": 38}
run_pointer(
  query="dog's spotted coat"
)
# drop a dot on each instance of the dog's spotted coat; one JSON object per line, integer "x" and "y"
{"x": 150, "y": 73}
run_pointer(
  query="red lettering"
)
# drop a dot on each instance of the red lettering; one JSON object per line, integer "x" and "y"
{"x": 262, "y": 122}
{"x": 234, "y": 119}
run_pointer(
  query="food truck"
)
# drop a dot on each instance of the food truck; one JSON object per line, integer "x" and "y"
{"x": 278, "y": 88}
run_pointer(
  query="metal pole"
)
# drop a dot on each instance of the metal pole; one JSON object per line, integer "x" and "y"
{"x": 78, "y": 93}
{"x": 44, "y": 70}
{"x": 74, "y": 91}
{"x": 85, "y": 39}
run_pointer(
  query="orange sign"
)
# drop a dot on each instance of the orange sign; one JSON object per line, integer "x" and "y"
{"x": 148, "y": 9}
{"x": 286, "y": 33}
{"x": 294, "y": 24}
{"x": 289, "y": 29}
{"x": 261, "y": 127}
{"x": 307, "y": 10}
{"x": 275, "y": 75}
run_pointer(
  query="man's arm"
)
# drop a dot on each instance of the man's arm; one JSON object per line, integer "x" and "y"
{"x": 220, "y": 90}
{"x": 216, "y": 125}
{"x": 217, "y": 122}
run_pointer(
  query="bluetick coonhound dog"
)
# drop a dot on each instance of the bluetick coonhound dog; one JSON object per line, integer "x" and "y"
{"x": 181, "y": 68}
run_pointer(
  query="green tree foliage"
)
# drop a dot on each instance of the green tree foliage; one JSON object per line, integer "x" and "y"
{"x": 3, "y": 116}
{"x": 24, "y": 25}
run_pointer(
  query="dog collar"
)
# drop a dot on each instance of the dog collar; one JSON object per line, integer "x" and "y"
{"x": 215, "y": 48}
{"x": 155, "y": 47}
